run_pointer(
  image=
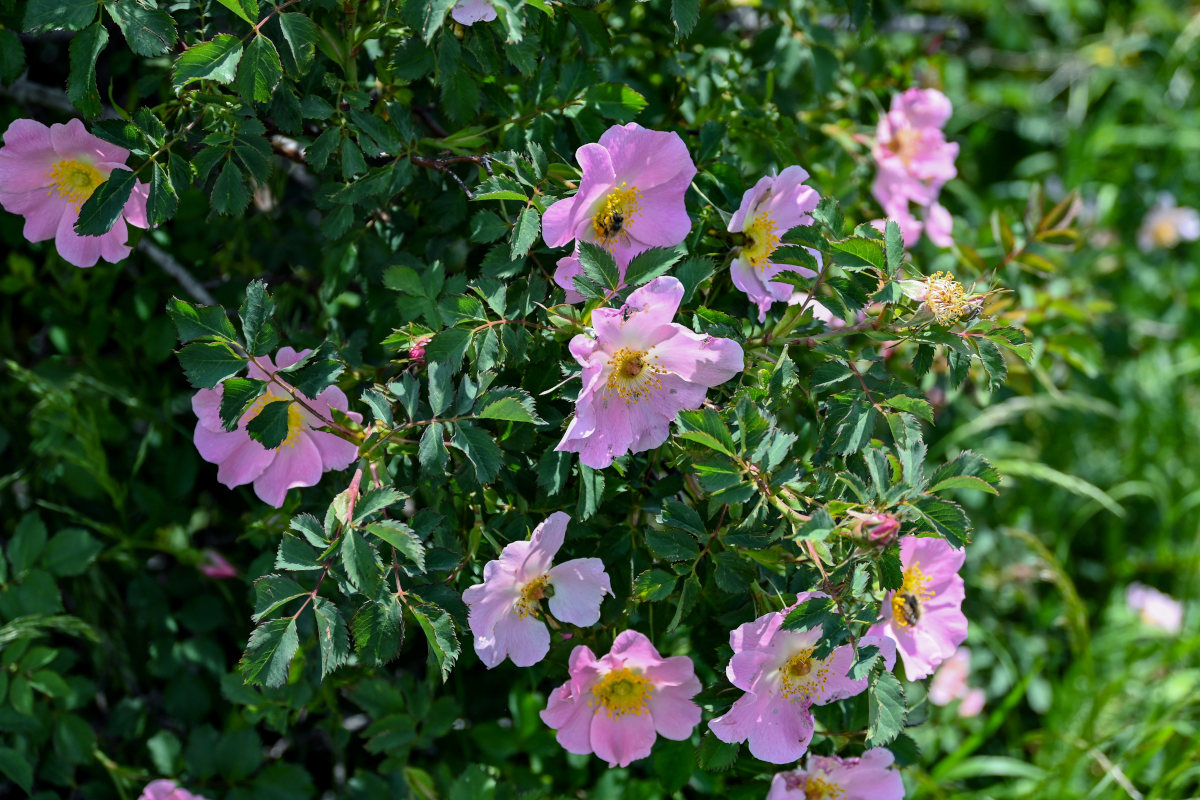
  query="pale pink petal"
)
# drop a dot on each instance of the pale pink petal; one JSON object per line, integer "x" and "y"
{"x": 579, "y": 587}
{"x": 571, "y": 717}
{"x": 28, "y": 139}
{"x": 939, "y": 225}
{"x": 675, "y": 715}
{"x": 778, "y": 731}
{"x": 649, "y": 159}
{"x": 206, "y": 404}
{"x": 43, "y": 216}
{"x": 80, "y": 251}
{"x": 294, "y": 466}
{"x": 245, "y": 463}
{"x": 19, "y": 174}
{"x": 468, "y": 12}
{"x": 526, "y": 640}
{"x": 697, "y": 358}
{"x": 112, "y": 244}
{"x": 72, "y": 141}
{"x": 544, "y": 543}
{"x": 135, "y": 208}
{"x": 972, "y": 703}
{"x": 336, "y": 453}
{"x": 622, "y": 739}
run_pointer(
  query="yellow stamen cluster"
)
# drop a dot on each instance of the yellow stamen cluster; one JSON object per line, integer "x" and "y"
{"x": 73, "y": 181}
{"x": 912, "y": 595}
{"x": 532, "y": 593}
{"x": 618, "y": 210}
{"x": 803, "y": 677}
{"x": 761, "y": 241}
{"x": 634, "y": 375}
{"x": 905, "y": 144}
{"x": 296, "y": 422}
{"x": 816, "y": 788}
{"x": 1165, "y": 233}
{"x": 622, "y": 692}
{"x": 945, "y": 297}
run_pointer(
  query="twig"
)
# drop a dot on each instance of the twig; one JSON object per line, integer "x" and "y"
{"x": 24, "y": 92}
{"x": 169, "y": 265}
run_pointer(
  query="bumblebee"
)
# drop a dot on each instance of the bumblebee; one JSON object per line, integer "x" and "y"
{"x": 909, "y": 608}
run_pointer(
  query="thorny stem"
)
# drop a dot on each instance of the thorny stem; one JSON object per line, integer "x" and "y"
{"x": 344, "y": 432}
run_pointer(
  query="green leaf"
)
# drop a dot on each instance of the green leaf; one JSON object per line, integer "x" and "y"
{"x": 316, "y": 371}
{"x": 861, "y": 668}
{"x": 653, "y": 585}
{"x": 27, "y": 543}
{"x": 685, "y": 14}
{"x": 431, "y": 451}
{"x": 500, "y": 187}
{"x": 214, "y": 61}
{"x": 149, "y": 31}
{"x": 48, "y": 15}
{"x": 829, "y": 214}
{"x": 682, "y": 516}
{"x": 81, "y": 85}
{"x": 715, "y": 755}
{"x": 163, "y": 201}
{"x": 614, "y": 101}
{"x": 862, "y": 251}
{"x": 525, "y": 233}
{"x": 993, "y": 361}
{"x": 259, "y": 71}
{"x": 671, "y": 544}
{"x": 913, "y": 405}
{"x": 360, "y": 562}
{"x": 12, "y": 56}
{"x": 270, "y": 426}
{"x": 195, "y": 322}
{"x": 257, "y": 313}
{"x": 269, "y": 652}
{"x": 893, "y": 248}
{"x": 435, "y": 15}
{"x": 229, "y": 194}
{"x": 964, "y": 482}
{"x": 205, "y": 364}
{"x": 650, "y": 264}
{"x": 378, "y": 631}
{"x": 70, "y": 552}
{"x": 705, "y": 426}
{"x": 296, "y": 555}
{"x": 810, "y": 614}
{"x": 104, "y": 207}
{"x": 332, "y": 635}
{"x": 945, "y": 518}
{"x": 448, "y": 346}
{"x": 16, "y": 768}
{"x": 439, "y": 630}
{"x": 855, "y": 428}
{"x": 272, "y": 591}
{"x": 300, "y": 38}
{"x": 687, "y": 601}
{"x": 308, "y": 527}
{"x": 517, "y": 407}
{"x": 888, "y": 569}
{"x": 461, "y": 97}
{"x": 819, "y": 525}
{"x": 599, "y": 266}
{"x": 887, "y": 709}
{"x": 237, "y": 395}
{"x": 401, "y": 537}
{"x": 479, "y": 449}
{"x": 246, "y": 9}
{"x": 376, "y": 500}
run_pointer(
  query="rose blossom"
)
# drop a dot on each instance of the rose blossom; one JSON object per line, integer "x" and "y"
{"x": 1156, "y": 609}
{"x": 166, "y": 790}
{"x": 630, "y": 199}
{"x": 914, "y": 161}
{"x": 924, "y": 617}
{"x": 869, "y": 777}
{"x": 468, "y": 12}
{"x": 950, "y": 683}
{"x": 217, "y": 567}
{"x": 505, "y": 608}
{"x": 639, "y": 371}
{"x": 782, "y": 681}
{"x": 46, "y": 175}
{"x": 775, "y": 205}
{"x": 302, "y": 457}
{"x": 1166, "y": 225}
{"x": 617, "y": 705}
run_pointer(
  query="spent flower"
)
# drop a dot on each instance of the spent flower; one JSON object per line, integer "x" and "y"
{"x": 505, "y": 610}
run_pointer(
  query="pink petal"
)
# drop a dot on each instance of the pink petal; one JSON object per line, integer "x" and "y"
{"x": 206, "y": 403}
{"x": 579, "y": 587}
{"x": 30, "y": 140}
{"x": 113, "y": 247}
{"x": 526, "y": 640}
{"x": 663, "y": 221}
{"x": 244, "y": 463}
{"x": 297, "y": 465}
{"x": 623, "y": 739}
{"x": 72, "y": 141}
{"x": 468, "y": 12}
{"x": 24, "y": 173}
{"x": 544, "y": 544}
{"x": 704, "y": 360}
{"x": 43, "y": 216}
{"x": 674, "y": 713}
{"x": 649, "y": 159}
{"x": 571, "y": 717}
{"x": 81, "y": 251}
{"x": 135, "y": 208}
{"x": 336, "y": 453}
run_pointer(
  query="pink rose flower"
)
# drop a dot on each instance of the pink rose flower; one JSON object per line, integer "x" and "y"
{"x": 869, "y": 777}
{"x": 639, "y": 371}
{"x": 914, "y": 161}
{"x": 46, "y": 175}
{"x": 215, "y": 566}
{"x": 773, "y": 207}
{"x": 505, "y": 609}
{"x": 305, "y": 454}
{"x": 630, "y": 198}
{"x": 1166, "y": 225}
{"x": 925, "y": 616}
{"x": 468, "y": 12}
{"x": 1156, "y": 609}
{"x": 782, "y": 681}
{"x": 617, "y": 705}
{"x": 166, "y": 790}
{"x": 950, "y": 683}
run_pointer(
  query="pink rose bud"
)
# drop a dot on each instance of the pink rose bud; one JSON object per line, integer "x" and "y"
{"x": 883, "y": 529}
{"x": 216, "y": 567}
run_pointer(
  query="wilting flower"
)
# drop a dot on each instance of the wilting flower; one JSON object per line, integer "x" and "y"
{"x": 782, "y": 681}
{"x": 950, "y": 683}
{"x": 216, "y": 566}
{"x": 616, "y": 706}
{"x": 630, "y": 198}
{"x": 639, "y": 371}
{"x": 924, "y": 617}
{"x": 914, "y": 161}
{"x": 166, "y": 790}
{"x": 302, "y": 457}
{"x": 46, "y": 175}
{"x": 505, "y": 610}
{"x": 943, "y": 297}
{"x": 468, "y": 12}
{"x": 869, "y": 777}
{"x": 775, "y": 205}
{"x": 1156, "y": 609}
{"x": 1166, "y": 225}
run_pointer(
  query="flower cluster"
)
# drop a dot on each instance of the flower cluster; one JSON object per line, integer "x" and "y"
{"x": 913, "y": 162}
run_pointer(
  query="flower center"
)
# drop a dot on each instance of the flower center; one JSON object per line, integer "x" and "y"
{"x": 908, "y": 604}
{"x": 761, "y": 241}
{"x": 296, "y": 423}
{"x": 945, "y": 297}
{"x": 1164, "y": 233}
{"x": 73, "y": 181}
{"x": 816, "y": 788}
{"x": 532, "y": 593}
{"x": 616, "y": 213}
{"x": 634, "y": 374}
{"x": 803, "y": 677}
{"x": 621, "y": 692}
{"x": 905, "y": 143}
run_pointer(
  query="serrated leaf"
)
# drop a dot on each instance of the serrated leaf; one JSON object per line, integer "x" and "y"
{"x": 705, "y": 426}
{"x": 500, "y": 187}
{"x": 685, "y": 14}
{"x": 401, "y": 537}
{"x": 194, "y": 322}
{"x": 269, "y": 653}
{"x": 650, "y": 264}
{"x": 259, "y": 71}
{"x": 237, "y": 395}
{"x": 893, "y": 247}
{"x": 614, "y": 101}
{"x": 913, "y": 405}
{"x": 229, "y": 194}
{"x": 310, "y": 528}
{"x": 682, "y": 516}
{"x": 715, "y": 755}
{"x": 687, "y": 601}
{"x": 809, "y": 614}
{"x": 381, "y": 409}
{"x": 359, "y": 560}
{"x": 300, "y": 38}
{"x": 376, "y": 500}
{"x": 964, "y": 482}
{"x": 84, "y": 49}
{"x": 599, "y": 266}
{"x": 887, "y": 709}
{"x": 273, "y": 591}
{"x": 861, "y": 668}
{"x": 257, "y": 314}
{"x": 512, "y": 409}
{"x": 205, "y": 364}
{"x": 480, "y": 449}
{"x": 945, "y": 518}
{"x": 448, "y": 346}
{"x": 163, "y": 201}
{"x": 439, "y": 631}
{"x": 270, "y": 425}
{"x": 149, "y": 31}
{"x": 378, "y": 630}
{"x": 47, "y": 15}
{"x": 332, "y": 635}
{"x": 866, "y": 251}
{"x": 104, "y": 207}
{"x": 653, "y": 585}
{"x": 214, "y": 61}
{"x": 295, "y": 555}
{"x": 246, "y": 9}
{"x": 671, "y": 544}
{"x": 525, "y": 233}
